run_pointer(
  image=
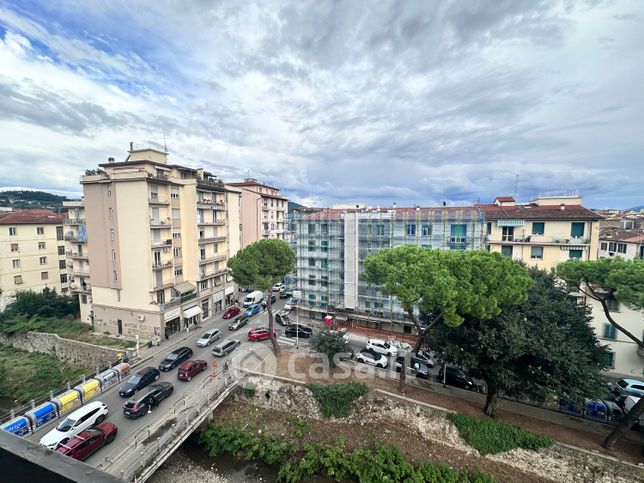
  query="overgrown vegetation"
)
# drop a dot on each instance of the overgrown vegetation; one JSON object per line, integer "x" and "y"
{"x": 490, "y": 437}
{"x": 41, "y": 304}
{"x": 365, "y": 464}
{"x": 330, "y": 343}
{"x": 335, "y": 399}
{"x": 30, "y": 375}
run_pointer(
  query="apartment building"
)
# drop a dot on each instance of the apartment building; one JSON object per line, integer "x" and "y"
{"x": 544, "y": 232}
{"x": 32, "y": 253}
{"x": 332, "y": 244}
{"x": 158, "y": 238}
{"x": 78, "y": 257}
{"x": 263, "y": 211}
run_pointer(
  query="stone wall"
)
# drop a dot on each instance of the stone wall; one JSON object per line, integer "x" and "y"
{"x": 72, "y": 351}
{"x": 556, "y": 463}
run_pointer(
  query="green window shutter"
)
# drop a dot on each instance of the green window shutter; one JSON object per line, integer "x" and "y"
{"x": 538, "y": 227}
{"x": 506, "y": 250}
{"x": 576, "y": 254}
{"x": 609, "y": 331}
{"x": 577, "y": 229}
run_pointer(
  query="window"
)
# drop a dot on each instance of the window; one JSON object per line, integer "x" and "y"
{"x": 426, "y": 230}
{"x": 381, "y": 229}
{"x": 178, "y": 271}
{"x": 311, "y": 297}
{"x": 13, "y": 231}
{"x": 15, "y": 263}
{"x": 109, "y": 191}
{"x": 177, "y": 252}
{"x": 63, "y": 278}
{"x": 576, "y": 254}
{"x": 312, "y": 280}
{"x": 109, "y": 213}
{"x": 324, "y": 263}
{"x": 538, "y": 227}
{"x": 42, "y": 246}
{"x": 14, "y": 247}
{"x": 59, "y": 233}
{"x": 43, "y": 260}
{"x": 458, "y": 232}
{"x": 111, "y": 233}
{"x": 506, "y": 250}
{"x": 604, "y": 246}
{"x": 83, "y": 299}
{"x": 176, "y": 233}
{"x": 176, "y": 214}
{"x": 311, "y": 262}
{"x": 17, "y": 279}
{"x": 174, "y": 192}
{"x": 536, "y": 253}
{"x": 577, "y": 229}
{"x": 311, "y": 245}
{"x": 609, "y": 332}
{"x": 610, "y": 360}
{"x": 324, "y": 229}
{"x": 113, "y": 255}
{"x": 612, "y": 304}
{"x": 507, "y": 233}
{"x": 204, "y": 285}
{"x": 324, "y": 246}
{"x": 488, "y": 228}
{"x": 40, "y": 230}
{"x": 324, "y": 281}
{"x": 411, "y": 229}
{"x": 612, "y": 246}
{"x": 44, "y": 275}
{"x": 311, "y": 229}
{"x": 161, "y": 297}
{"x": 621, "y": 248}
{"x": 61, "y": 250}
{"x": 62, "y": 264}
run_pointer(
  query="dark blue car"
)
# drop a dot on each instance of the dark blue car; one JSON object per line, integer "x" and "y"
{"x": 252, "y": 310}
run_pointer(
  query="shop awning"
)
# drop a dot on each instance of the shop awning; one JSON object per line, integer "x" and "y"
{"x": 510, "y": 222}
{"x": 184, "y": 287}
{"x": 191, "y": 312}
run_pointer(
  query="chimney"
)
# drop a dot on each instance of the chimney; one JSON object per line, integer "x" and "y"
{"x": 110, "y": 160}
{"x": 131, "y": 146}
{"x": 562, "y": 206}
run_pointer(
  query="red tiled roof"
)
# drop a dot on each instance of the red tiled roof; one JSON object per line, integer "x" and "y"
{"x": 635, "y": 239}
{"x": 504, "y": 198}
{"x": 32, "y": 217}
{"x": 536, "y": 212}
{"x": 253, "y": 183}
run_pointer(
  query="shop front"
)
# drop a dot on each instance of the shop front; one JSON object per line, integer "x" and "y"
{"x": 229, "y": 293}
{"x": 191, "y": 316}
{"x": 218, "y": 301}
{"x": 172, "y": 321}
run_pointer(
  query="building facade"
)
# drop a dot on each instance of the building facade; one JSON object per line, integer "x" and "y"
{"x": 158, "y": 239}
{"x": 544, "y": 232}
{"x": 331, "y": 246}
{"x": 32, "y": 253}
{"x": 263, "y": 211}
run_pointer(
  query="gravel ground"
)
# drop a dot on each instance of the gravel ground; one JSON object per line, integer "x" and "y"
{"x": 180, "y": 468}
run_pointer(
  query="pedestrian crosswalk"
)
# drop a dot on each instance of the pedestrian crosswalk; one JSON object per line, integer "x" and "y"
{"x": 282, "y": 340}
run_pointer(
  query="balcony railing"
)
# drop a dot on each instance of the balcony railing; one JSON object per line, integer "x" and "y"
{"x": 159, "y": 266}
{"x": 78, "y": 256}
{"x": 162, "y": 243}
{"x": 212, "y": 239}
{"x": 540, "y": 239}
{"x": 153, "y": 200}
{"x": 74, "y": 221}
{"x": 167, "y": 223}
{"x": 215, "y": 258}
{"x": 86, "y": 288}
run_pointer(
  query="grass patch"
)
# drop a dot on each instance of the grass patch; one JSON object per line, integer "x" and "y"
{"x": 30, "y": 375}
{"x": 335, "y": 399}
{"x": 490, "y": 437}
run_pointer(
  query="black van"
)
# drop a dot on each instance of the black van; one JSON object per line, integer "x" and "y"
{"x": 139, "y": 380}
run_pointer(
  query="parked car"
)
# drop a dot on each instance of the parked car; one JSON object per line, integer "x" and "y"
{"x": 209, "y": 337}
{"x": 225, "y": 347}
{"x": 87, "y": 442}
{"x": 382, "y": 347}
{"x": 415, "y": 367}
{"x": 455, "y": 377}
{"x": 86, "y": 416}
{"x": 231, "y": 312}
{"x": 368, "y": 356}
{"x": 282, "y": 318}
{"x": 252, "y": 310}
{"x": 238, "y": 323}
{"x": 277, "y": 287}
{"x": 298, "y": 330}
{"x": 291, "y": 303}
{"x": 191, "y": 368}
{"x": 175, "y": 358}
{"x": 625, "y": 388}
{"x": 284, "y": 294}
{"x": 425, "y": 358}
{"x": 260, "y": 333}
{"x": 152, "y": 396}
{"x": 140, "y": 379}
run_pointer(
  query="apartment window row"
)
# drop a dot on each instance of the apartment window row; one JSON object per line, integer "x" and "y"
{"x": 40, "y": 230}
{"x": 613, "y": 247}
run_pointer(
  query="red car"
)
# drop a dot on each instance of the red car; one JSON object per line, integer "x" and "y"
{"x": 261, "y": 333}
{"x": 191, "y": 368}
{"x": 83, "y": 445}
{"x": 231, "y": 312}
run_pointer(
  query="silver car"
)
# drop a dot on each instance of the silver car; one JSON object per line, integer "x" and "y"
{"x": 209, "y": 337}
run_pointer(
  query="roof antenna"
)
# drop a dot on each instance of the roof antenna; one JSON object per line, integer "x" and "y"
{"x": 165, "y": 146}
{"x": 444, "y": 202}
{"x": 516, "y": 188}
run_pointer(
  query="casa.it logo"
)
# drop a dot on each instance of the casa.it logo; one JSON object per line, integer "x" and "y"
{"x": 257, "y": 358}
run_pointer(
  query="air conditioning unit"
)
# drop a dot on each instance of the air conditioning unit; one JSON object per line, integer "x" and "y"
{"x": 140, "y": 317}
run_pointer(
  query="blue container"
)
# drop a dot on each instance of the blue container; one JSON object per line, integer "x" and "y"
{"x": 42, "y": 414}
{"x": 19, "y": 426}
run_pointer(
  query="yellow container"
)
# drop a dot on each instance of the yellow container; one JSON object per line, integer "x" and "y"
{"x": 68, "y": 401}
{"x": 89, "y": 389}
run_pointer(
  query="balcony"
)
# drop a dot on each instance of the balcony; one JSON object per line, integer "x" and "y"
{"x": 80, "y": 271}
{"x": 214, "y": 258}
{"x": 265, "y": 208}
{"x": 162, "y": 243}
{"x": 161, "y": 224}
{"x": 161, "y": 284}
{"x": 73, "y": 237}
{"x": 162, "y": 265}
{"x": 539, "y": 240}
{"x": 212, "y": 239}
{"x": 210, "y": 183}
{"x": 158, "y": 176}
{"x": 176, "y": 301}
{"x": 78, "y": 256}
{"x": 85, "y": 288}
{"x": 154, "y": 200}
{"x": 74, "y": 221}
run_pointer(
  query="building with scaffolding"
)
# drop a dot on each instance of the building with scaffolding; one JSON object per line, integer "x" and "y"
{"x": 332, "y": 244}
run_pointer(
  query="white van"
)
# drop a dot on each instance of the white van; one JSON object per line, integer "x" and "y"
{"x": 253, "y": 298}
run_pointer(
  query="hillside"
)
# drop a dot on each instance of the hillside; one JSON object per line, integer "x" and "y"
{"x": 31, "y": 200}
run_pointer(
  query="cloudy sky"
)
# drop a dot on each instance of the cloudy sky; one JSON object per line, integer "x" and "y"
{"x": 374, "y": 101}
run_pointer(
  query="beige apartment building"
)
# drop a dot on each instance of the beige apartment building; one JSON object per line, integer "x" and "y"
{"x": 32, "y": 253}
{"x": 544, "y": 232}
{"x": 263, "y": 211}
{"x": 158, "y": 238}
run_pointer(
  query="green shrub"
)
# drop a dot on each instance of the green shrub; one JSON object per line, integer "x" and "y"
{"x": 489, "y": 436}
{"x": 335, "y": 399}
{"x": 249, "y": 392}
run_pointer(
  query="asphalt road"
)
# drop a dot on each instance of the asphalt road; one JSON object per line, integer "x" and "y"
{"x": 128, "y": 427}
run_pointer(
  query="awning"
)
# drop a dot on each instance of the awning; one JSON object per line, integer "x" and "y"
{"x": 510, "y": 222}
{"x": 184, "y": 287}
{"x": 574, "y": 247}
{"x": 191, "y": 312}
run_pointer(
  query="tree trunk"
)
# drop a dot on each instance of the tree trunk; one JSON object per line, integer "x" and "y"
{"x": 271, "y": 330}
{"x": 491, "y": 401}
{"x": 420, "y": 333}
{"x": 639, "y": 343}
{"x": 624, "y": 425}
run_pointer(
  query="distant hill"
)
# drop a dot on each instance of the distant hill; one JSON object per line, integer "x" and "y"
{"x": 293, "y": 206}
{"x": 637, "y": 208}
{"x": 25, "y": 199}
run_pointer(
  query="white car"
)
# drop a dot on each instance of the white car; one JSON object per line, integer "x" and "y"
{"x": 291, "y": 303}
{"x": 368, "y": 356}
{"x": 87, "y": 416}
{"x": 382, "y": 347}
{"x": 208, "y": 338}
{"x": 277, "y": 287}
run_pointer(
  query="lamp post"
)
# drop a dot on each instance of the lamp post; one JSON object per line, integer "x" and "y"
{"x": 297, "y": 327}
